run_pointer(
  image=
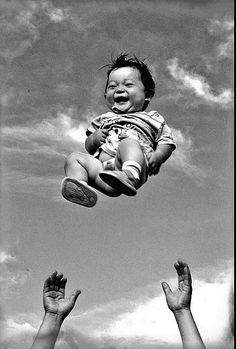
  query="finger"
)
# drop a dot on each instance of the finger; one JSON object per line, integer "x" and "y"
{"x": 185, "y": 271}
{"x": 59, "y": 276}
{"x": 57, "y": 280}
{"x": 73, "y": 297}
{"x": 180, "y": 272}
{"x": 49, "y": 280}
{"x": 62, "y": 285}
{"x": 47, "y": 283}
{"x": 150, "y": 170}
{"x": 187, "y": 276}
{"x": 54, "y": 277}
{"x": 182, "y": 262}
{"x": 166, "y": 288}
{"x": 178, "y": 269}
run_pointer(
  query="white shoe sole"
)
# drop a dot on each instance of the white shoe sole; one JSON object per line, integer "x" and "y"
{"x": 77, "y": 192}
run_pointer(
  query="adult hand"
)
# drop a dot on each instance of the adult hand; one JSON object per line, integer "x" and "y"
{"x": 180, "y": 298}
{"x": 54, "y": 300}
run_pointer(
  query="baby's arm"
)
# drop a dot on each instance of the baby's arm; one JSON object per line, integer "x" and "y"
{"x": 165, "y": 147}
{"x": 95, "y": 140}
{"x": 160, "y": 155}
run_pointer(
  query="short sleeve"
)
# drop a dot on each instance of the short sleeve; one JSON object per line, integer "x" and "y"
{"x": 94, "y": 125}
{"x": 165, "y": 136}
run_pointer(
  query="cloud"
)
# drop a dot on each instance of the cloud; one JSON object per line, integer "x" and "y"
{"x": 23, "y": 22}
{"x": 56, "y": 15}
{"x": 147, "y": 319}
{"x": 34, "y": 154}
{"x": 199, "y": 86}
{"x": 6, "y": 257}
{"x": 47, "y": 140}
{"x": 141, "y": 319}
{"x": 50, "y": 140}
{"x": 224, "y": 29}
{"x": 182, "y": 158}
{"x": 45, "y": 135}
{"x": 18, "y": 332}
{"x": 18, "y": 22}
{"x": 13, "y": 273}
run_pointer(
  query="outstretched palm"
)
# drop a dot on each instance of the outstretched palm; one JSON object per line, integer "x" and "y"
{"x": 54, "y": 300}
{"x": 180, "y": 298}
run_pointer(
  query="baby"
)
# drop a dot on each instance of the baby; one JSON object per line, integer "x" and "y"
{"x": 124, "y": 145}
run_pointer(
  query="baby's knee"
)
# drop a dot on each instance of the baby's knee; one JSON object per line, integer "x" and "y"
{"x": 73, "y": 158}
{"x": 129, "y": 142}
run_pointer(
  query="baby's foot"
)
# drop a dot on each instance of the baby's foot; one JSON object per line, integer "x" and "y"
{"x": 123, "y": 181}
{"x": 78, "y": 192}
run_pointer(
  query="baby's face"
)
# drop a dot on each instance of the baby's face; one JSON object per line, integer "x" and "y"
{"x": 125, "y": 90}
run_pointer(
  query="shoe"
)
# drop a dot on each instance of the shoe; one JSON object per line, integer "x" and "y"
{"x": 123, "y": 181}
{"x": 77, "y": 192}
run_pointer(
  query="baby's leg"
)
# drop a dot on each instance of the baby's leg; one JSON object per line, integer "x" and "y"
{"x": 85, "y": 168}
{"x": 130, "y": 151}
{"x": 130, "y": 156}
{"x": 132, "y": 166}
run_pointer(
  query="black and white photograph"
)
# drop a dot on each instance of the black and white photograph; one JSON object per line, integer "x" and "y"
{"x": 117, "y": 174}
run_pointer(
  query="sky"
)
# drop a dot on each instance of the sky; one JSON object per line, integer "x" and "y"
{"x": 119, "y": 251}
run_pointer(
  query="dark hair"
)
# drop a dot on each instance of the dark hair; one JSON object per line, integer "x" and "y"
{"x": 123, "y": 60}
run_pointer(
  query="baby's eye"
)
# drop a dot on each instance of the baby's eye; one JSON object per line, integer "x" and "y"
{"x": 129, "y": 84}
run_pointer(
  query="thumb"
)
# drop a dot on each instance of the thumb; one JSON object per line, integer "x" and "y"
{"x": 73, "y": 297}
{"x": 166, "y": 288}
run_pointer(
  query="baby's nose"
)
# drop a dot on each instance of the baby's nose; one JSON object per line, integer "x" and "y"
{"x": 120, "y": 89}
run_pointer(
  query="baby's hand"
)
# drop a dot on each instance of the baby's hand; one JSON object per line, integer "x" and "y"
{"x": 54, "y": 300}
{"x": 99, "y": 137}
{"x": 181, "y": 298}
{"x": 154, "y": 163}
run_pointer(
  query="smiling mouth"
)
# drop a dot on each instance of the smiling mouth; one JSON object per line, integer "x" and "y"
{"x": 121, "y": 99}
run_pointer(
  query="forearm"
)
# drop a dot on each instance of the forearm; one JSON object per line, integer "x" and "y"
{"x": 48, "y": 332}
{"x": 190, "y": 335}
{"x": 90, "y": 145}
{"x": 163, "y": 152}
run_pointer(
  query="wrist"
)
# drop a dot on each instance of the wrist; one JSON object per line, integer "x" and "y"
{"x": 181, "y": 312}
{"x": 53, "y": 317}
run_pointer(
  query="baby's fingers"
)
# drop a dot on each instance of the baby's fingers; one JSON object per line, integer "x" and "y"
{"x": 153, "y": 170}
